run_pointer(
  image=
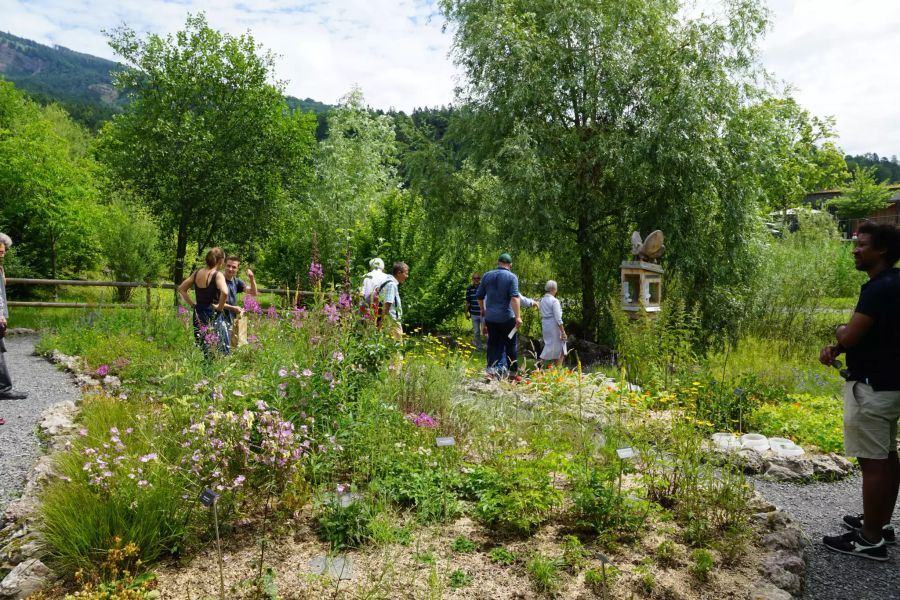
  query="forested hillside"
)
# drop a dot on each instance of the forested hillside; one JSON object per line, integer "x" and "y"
{"x": 80, "y": 82}
{"x": 886, "y": 169}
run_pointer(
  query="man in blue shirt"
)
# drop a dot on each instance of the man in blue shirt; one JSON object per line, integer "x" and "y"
{"x": 235, "y": 286}
{"x": 498, "y": 298}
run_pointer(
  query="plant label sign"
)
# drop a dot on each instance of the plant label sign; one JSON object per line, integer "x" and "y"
{"x": 208, "y": 498}
{"x": 445, "y": 441}
{"x": 625, "y": 453}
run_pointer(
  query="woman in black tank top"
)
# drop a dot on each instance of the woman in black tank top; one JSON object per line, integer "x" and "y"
{"x": 210, "y": 293}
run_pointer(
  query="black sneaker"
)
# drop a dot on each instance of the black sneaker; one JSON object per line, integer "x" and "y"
{"x": 853, "y": 543}
{"x": 13, "y": 395}
{"x": 855, "y": 522}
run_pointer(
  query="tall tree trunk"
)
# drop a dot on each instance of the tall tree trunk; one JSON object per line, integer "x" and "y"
{"x": 588, "y": 299}
{"x": 180, "y": 251}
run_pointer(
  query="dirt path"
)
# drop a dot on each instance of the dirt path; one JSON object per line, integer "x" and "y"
{"x": 832, "y": 576}
{"x": 46, "y": 385}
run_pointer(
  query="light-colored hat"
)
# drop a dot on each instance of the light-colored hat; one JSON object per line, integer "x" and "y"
{"x": 376, "y": 263}
{"x": 5, "y": 240}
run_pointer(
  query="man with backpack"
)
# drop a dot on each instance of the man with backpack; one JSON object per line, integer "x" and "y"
{"x": 391, "y": 308}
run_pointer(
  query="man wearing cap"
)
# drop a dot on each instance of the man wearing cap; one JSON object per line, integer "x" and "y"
{"x": 498, "y": 298}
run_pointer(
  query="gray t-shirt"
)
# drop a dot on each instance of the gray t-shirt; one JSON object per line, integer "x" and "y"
{"x": 4, "y": 309}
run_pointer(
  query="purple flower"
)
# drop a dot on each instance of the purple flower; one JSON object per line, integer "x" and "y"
{"x": 102, "y": 370}
{"x": 251, "y": 305}
{"x": 327, "y": 376}
{"x": 332, "y": 312}
{"x": 83, "y": 432}
{"x": 337, "y": 356}
{"x": 343, "y": 488}
{"x": 182, "y": 311}
{"x": 272, "y": 313}
{"x": 422, "y": 420}
{"x": 238, "y": 393}
{"x": 282, "y": 372}
{"x": 315, "y": 273}
{"x": 344, "y": 302}
{"x": 148, "y": 457}
{"x": 306, "y": 373}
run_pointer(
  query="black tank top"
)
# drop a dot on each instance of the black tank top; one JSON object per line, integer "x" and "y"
{"x": 208, "y": 294}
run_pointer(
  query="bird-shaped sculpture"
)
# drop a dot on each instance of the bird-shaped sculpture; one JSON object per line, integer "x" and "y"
{"x": 650, "y": 248}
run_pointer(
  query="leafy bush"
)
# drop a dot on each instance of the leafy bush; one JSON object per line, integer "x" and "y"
{"x": 502, "y": 556}
{"x": 515, "y": 492}
{"x": 130, "y": 245}
{"x": 600, "y": 503}
{"x": 459, "y": 579}
{"x": 702, "y": 565}
{"x": 345, "y": 526}
{"x": 808, "y": 420}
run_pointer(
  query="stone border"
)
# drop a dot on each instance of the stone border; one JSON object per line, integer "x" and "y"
{"x": 794, "y": 469}
{"x": 783, "y": 567}
{"x": 21, "y": 547}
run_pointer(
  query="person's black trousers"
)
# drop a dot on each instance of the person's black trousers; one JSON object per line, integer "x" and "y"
{"x": 499, "y": 344}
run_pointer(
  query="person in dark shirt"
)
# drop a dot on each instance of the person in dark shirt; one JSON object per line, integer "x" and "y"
{"x": 473, "y": 309}
{"x": 871, "y": 341}
{"x": 498, "y": 300}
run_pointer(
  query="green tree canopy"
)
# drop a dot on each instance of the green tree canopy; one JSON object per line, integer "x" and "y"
{"x": 206, "y": 140}
{"x": 48, "y": 188}
{"x": 862, "y": 197}
{"x": 603, "y": 116}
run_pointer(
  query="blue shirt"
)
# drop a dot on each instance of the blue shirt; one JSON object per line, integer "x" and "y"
{"x": 235, "y": 287}
{"x": 390, "y": 292}
{"x": 472, "y": 301}
{"x": 497, "y": 289}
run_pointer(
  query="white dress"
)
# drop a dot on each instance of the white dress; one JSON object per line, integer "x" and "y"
{"x": 551, "y": 320}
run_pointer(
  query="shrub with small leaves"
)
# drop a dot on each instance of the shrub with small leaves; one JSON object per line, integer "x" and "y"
{"x": 502, "y": 556}
{"x": 702, "y": 565}
{"x": 459, "y": 579}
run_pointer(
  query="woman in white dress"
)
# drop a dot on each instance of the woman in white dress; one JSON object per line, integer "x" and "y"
{"x": 552, "y": 326}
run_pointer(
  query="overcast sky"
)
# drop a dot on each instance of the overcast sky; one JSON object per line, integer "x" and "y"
{"x": 841, "y": 57}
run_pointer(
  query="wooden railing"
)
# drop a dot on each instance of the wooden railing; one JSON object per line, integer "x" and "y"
{"x": 149, "y": 286}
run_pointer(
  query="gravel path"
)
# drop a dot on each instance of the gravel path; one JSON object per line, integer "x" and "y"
{"x": 45, "y": 385}
{"x": 830, "y": 575}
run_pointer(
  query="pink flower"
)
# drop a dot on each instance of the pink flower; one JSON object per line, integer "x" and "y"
{"x": 102, "y": 370}
{"x": 332, "y": 312}
{"x": 306, "y": 373}
{"x": 272, "y": 313}
{"x": 282, "y": 372}
{"x": 337, "y": 356}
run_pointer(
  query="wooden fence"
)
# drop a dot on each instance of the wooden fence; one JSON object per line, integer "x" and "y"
{"x": 149, "y": 286}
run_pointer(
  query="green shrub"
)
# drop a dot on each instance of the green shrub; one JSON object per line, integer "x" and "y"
{"x": 347, "y": 526}
{"x": 459, "y": 579}
{"x": 808, "y": 420}
{"x": 463, "y": 545}
{"x": 544, "y": 572}
{"x": 515, "y": 492}
{"x": 502, "y": 556}
{"x": 599, "y": 502}
{"x": 702, "y": 565}
{"x": 666, "y": 554}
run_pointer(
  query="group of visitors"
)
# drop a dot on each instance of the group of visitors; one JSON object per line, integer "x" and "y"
{"x": 215, "y": 299}
{"x": 494, "y": 304}
{"x": 381, "y": 296}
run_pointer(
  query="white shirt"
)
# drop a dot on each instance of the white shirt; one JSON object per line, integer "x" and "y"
{"x": 371, "y": 281}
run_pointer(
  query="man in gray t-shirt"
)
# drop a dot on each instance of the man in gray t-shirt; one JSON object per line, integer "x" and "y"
{"x": 6, "y": 389}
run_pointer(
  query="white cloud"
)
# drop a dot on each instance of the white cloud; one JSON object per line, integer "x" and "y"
{"x": 839, "y": 56}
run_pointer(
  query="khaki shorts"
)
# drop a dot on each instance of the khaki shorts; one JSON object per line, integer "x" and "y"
{"x": 870, "y": 421}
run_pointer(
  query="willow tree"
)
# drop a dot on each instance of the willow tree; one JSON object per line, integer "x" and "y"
{"x": 206, "y": 140}
{"x": 599, "y": 116}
